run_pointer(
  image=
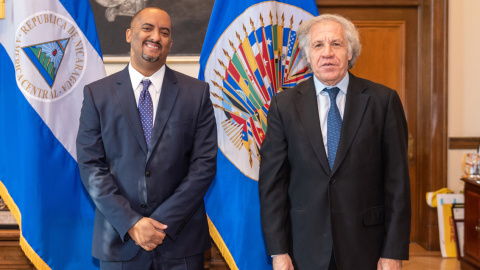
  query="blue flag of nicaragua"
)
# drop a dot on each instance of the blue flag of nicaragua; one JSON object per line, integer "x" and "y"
{"x": 48, "y": 51}
{"x": 250, "y": 54}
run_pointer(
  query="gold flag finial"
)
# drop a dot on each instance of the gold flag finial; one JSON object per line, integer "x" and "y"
{"x": 238, "y": 37}
{"x": 215, "y": 95}
{"x": 226, "y": 53}
{"x": 222, "y": 64}
{"x": 231, "y": 45}
{"x": 2, "y": 9}
{"x": 219, "y": 75}
{"x": 216, "y": 84}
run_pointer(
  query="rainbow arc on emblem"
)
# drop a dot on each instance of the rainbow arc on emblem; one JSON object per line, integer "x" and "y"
{"x": 46, "y": 57}
{"x": 266, "y": 60}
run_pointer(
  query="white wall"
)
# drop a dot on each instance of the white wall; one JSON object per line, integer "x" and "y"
{"x": 463, "y": 80}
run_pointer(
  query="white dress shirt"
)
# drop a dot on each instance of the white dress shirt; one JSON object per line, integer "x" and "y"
{"x": 154, "y": 89}
{"x": 323, "y": 103}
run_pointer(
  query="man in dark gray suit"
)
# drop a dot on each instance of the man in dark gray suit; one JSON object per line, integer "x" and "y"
{"x": 146, "y": 150}
{"x": 334, "y": 183}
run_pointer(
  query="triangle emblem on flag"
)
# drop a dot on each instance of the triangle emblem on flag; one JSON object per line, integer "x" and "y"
{"x": 47, "y": 57}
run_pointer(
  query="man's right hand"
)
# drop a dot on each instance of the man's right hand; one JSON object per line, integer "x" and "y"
{"x": 148, "y": 233}
{"x": 282, "y": 262}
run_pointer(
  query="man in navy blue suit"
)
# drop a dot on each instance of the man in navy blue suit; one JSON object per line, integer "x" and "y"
{"x": 146, "y": 149}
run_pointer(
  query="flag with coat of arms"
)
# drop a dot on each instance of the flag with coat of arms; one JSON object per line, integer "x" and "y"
{"x": 49, "y": 50}
{"x": 250, "y": 54}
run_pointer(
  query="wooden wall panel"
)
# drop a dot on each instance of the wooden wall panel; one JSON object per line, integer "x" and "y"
{"x": 383, "y": 54}
{"x": 11, "y": 255}
{"x": 464, "y": 143}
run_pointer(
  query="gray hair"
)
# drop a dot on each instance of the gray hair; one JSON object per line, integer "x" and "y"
{"x": 351, "y": 35}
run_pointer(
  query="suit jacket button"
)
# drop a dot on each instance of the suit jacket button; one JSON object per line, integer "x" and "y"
{"x": 148, "y": 173}
{"x": 144, "y": 206}
{"x": 332, "y": 180}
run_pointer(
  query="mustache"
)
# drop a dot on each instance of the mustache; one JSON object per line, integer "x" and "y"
{"x": 328, "y": 64}
{"x": 154, "y": 42}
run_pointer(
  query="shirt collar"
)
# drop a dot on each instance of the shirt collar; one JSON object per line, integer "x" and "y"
{"x": 342, "y": 85}
{"x": 136, "y": 77}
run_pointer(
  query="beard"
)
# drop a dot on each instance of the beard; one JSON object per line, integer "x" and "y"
{"x": 150, "y": 58}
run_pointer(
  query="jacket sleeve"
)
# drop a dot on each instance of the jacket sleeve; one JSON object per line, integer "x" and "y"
{"x": 273, "y": 184}
{"x": 188, "y": 196}
{"x": 95, "y": 173}
{"x": 397, "y": 182}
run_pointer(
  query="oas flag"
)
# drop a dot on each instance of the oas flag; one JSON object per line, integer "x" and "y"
{"x": 250, "y": 54}
{"x": 48, "y": 51}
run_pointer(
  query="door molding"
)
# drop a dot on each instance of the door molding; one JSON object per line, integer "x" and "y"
{"x": 432, "y": 115}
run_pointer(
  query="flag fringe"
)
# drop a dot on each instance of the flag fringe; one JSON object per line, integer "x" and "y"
{"x": 2, "y": 9}
{"x": 27, "y": 249}
{"x": 32, "y": 255}
{"x": 10, "y": 204}
{"x": 217, "y": 238}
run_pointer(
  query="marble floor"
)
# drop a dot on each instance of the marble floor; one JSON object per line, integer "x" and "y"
{"x": 420, "y": 259}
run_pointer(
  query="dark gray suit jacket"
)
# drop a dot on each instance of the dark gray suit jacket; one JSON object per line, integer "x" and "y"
{"x": 361, "y": 208}
{"x": 127, "y": 181}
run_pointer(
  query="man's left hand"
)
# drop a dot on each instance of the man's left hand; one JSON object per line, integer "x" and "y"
{"x": 389, "y": 264}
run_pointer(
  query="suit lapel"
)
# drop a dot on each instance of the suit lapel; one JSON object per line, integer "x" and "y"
{"x": 354, "y": 108}
{"x": 306, "y": 103}
{"x": 126, "y": 98}
{"x": 166, "y": 103}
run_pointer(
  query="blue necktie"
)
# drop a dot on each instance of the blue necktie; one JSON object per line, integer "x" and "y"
{"x": 334, "y": 125}
{"x": 145, "y": 107}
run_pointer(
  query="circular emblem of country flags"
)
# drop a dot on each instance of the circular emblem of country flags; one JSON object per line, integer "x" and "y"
{"x": 256, "y": 57}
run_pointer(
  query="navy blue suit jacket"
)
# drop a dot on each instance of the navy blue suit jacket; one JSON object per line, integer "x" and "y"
{"x": 167, "y": 182}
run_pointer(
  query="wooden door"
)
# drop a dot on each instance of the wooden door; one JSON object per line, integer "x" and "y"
{"x": 394, "y": 47}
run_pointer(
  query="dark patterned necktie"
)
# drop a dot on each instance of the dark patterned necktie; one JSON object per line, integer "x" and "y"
{"x": 334, "y": 125}
{"x": 145, "y": 107}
